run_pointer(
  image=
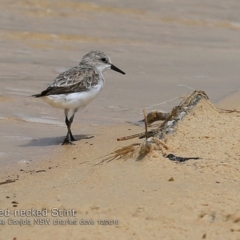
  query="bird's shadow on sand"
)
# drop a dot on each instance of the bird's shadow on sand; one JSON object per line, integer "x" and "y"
{"x": 48, "y": 141}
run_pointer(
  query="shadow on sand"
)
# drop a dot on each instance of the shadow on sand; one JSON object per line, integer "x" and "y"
{"x": 49, "y": 141}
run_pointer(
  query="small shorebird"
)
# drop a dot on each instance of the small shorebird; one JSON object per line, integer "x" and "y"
{"x": 78, "y": 86}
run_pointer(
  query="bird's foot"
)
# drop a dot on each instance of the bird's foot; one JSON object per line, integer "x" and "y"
{"x": 72, "y": 138}
{"x": 67, "y": 142}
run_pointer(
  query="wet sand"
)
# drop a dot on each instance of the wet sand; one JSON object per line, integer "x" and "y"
{"x": 163, "y": 47}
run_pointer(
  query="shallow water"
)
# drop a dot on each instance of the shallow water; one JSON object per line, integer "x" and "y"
{"x": 165, "y": 48}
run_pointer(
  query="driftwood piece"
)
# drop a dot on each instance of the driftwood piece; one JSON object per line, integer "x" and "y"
{"x": 146, "y": 124}
{"x": 178, "y": 112}
{"x": 131, "y": 136}
{"x": 172, "y": 118}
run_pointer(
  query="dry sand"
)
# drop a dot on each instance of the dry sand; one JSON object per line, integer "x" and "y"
{"x": 160, "y": 45}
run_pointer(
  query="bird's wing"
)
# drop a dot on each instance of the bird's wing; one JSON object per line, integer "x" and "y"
{"x": 77, "y": 79}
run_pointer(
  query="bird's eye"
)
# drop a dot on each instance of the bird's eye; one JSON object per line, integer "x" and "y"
{"x": 104, "y": 60}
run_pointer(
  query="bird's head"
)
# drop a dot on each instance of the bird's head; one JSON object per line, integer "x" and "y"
{"x": 100, "y": 60}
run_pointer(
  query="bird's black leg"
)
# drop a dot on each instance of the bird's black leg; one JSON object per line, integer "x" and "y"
{"x": 70, "y": 123}
{"x": 67, "y": 139}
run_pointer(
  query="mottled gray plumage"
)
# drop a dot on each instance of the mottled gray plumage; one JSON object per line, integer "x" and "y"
{"x": 77, "y": 79}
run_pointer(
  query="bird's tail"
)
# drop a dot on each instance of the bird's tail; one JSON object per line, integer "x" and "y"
{"x": 37, "y": 95}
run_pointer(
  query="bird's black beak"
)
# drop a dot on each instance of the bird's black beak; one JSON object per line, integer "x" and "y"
{"x": 116, "y": 69}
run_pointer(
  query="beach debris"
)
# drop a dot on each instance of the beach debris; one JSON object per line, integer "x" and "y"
{"x": 40, "y": 171}
{"x": 157, "y": 138}
{"x": 149, "y": 145}
{"x": 228, "y": 110}
{"x": 171, "y": 179}
{"x": 136, "y": 150}
{"x": 156, "y": 115}
{"x": 172, "y": 157}
{"x": 177, "y": 114}
{"x": 204, "y": 236}
{"x": 170, "y": 123}
{"x": 145, "y": 123}
{"x": 122, "y": 153}
{"x": 8, "y": 181}
{"x": 130, "y": 137}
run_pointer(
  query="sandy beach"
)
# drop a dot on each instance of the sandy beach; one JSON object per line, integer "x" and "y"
{"x": 167, "y": 50}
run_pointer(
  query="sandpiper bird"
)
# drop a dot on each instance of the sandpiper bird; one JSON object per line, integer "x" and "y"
{"x": 78, "y": 86}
